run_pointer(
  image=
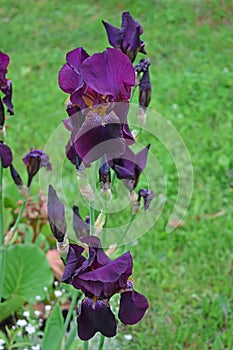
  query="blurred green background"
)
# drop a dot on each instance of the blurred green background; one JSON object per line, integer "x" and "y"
{"x": 187, "y": 274}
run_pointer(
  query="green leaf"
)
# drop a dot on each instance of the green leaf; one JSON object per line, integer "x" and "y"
{"x": 54, "y": 330}
{"x": 26, "y": 272}
{"x": 9, "y": 306}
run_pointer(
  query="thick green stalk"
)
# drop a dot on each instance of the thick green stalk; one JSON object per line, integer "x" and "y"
{"x": 18, "y": 219}
{"x": 101, "y": 344}
{"x": 85, "y": 345}
{"x": 127, "y": 229}
{"x": 71, "y": 309}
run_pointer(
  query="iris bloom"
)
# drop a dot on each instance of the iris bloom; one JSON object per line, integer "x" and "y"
{"x": 99, "y": 278}
{"x": 34, "y": 160}
{"x": 129, "y": 167}
{"x": 5, "y": 84}
{"x": 100, "y": 89}
{"x": 128, "y": 37}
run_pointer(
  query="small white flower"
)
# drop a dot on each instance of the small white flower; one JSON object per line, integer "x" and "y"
{"x": 36, "y": 347}
{"x": 56, "y": 283}
{"x": 57, "y": 293}
{"x": 48, "y": 307}
{"x": 45, "y": 289}
{"x": 37, "y": 313}
{"x": 38, "y": 297}
{"x": 128, "y": 337}
{"x": 2, "y": 342}
{"x": 225, "y": 70}
{"x": 30, "y": 329}
{"x": 21, "y": 323}
{"x": 26, "y": 314}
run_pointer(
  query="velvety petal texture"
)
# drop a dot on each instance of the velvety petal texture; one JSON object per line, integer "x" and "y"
{"x": 133, "y": 306}
{"x": 5, "y": 155}
{"x": 4, "y": 61}
{"x": 56, "y": 215}
{"x": 81, "y": 227}
{"x": 74, "y": 261}
{"x": 95, "y": 316}
{"x": 5, "y": 84}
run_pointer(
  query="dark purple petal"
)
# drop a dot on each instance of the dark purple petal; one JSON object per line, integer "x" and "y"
{"x": 15, "y": 176}
{"x": 73, "y": 262}
{"x": 75, "y": 58}
{"x": 56, "y": 215}
{"x": 133, "y": 306}
{"x": 95, "y": 316}
{"x": 5, "y": 155}
{"x": 81, "y": 227}
{"x": 7, "y": 90}
{"x": 2, "y": 115}
{"x": 115, "y": 35}
{"x": 109, "y": 73}
{"x": 106, "y": 280}
{"x": 4, "y": 61}
{"x": 69, "y": 80}
{"x": 141, "y": 158}
{"x": 99, "y": 135}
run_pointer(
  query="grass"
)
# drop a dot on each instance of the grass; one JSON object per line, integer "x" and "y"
{"x": 187, "y": 274}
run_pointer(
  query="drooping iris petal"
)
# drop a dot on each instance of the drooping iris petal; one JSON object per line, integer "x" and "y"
{"x": 2, "y": 115}
{"x": 5, "y": 155}
{"x": 56, "y": 215}
{"x": 133, "y": 306}
{"x": 106, "y": 280}
{"x": 99, "y": 135}
{"x": 7, "y": 99}
{"x": 15, "y": 176}
{"x": 109, "y": 73}
{"x": 95, "y": 316}
{"x": 73, "y": 262}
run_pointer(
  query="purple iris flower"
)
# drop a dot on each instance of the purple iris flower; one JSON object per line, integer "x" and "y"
{"x": 129, "y": 167}
{"x": 5, "y": 155}
{"x": 99, "y": 278}
{"x": 81, "y": 227}
{"x": 5, "y": 84}
{"x": 34, "y": 160}
{"x": 99, "y": 88}
{"x": 128, "y": 37}
{"x": 56, "y": 215}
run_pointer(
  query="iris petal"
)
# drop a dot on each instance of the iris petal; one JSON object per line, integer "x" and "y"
{"x": 133, "y": 306}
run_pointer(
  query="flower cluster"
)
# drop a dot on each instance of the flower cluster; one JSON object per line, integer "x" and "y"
{"x": 100, "y": 87}
{"x": 99, "y": 278}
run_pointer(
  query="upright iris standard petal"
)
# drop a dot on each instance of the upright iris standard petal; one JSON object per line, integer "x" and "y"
{"x": 5, "y": 155}
{"x": 115, "y": 35}
{"x": 95, "y": 316}
{"x": 73, "y": 262}
{"x": 109, "y": 73}
{"x": 133, "y": 306}
{"x": 56, "y": 215}
{"x": 34, "y": 160}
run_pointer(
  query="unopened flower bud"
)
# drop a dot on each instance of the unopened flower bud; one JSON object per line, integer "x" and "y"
{"x": 63, "y": 247}
{"x": 147, "y": 195}
{"x": 56, "y": 215}
{"x": 2, "y": 115}
{"x": 15, "y": 176}
{"x": 135, "y": 205}
{"x": 145, "y": 90}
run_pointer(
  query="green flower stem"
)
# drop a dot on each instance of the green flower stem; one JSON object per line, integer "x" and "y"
{"x": 101, "y": 344}
{"x": 19, "y": 217}
{"x": 92, "y": 218}
{"x": 127, "y": 229}
{"x": 1, "y": 207}
{"x": 2, "y": 249}
{"x": 71, "y": 309}
{"x": 85, "y": 345}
